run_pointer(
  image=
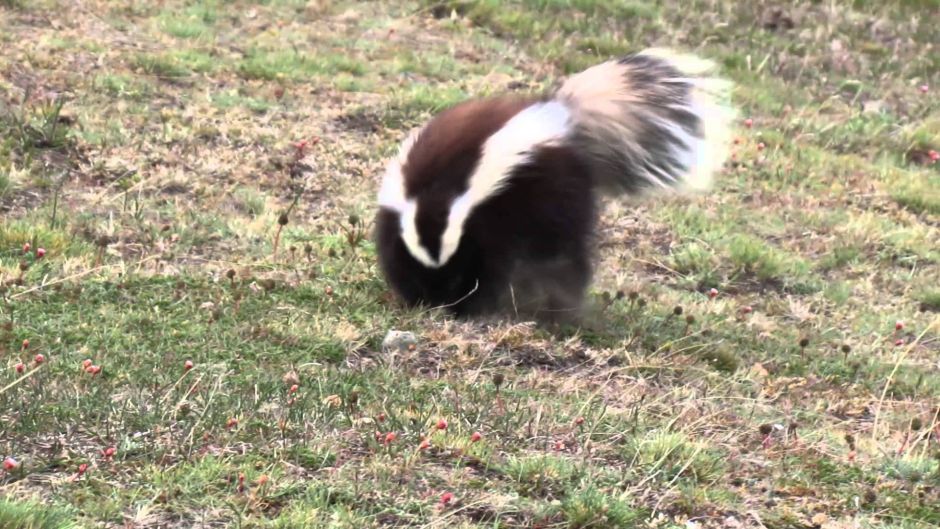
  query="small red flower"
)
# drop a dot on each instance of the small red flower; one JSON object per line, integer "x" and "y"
{"x": 446, "y": 498}
{"x": 713, "y": 293}
{"x": 82, "y": 469}
{"x": 924, "y": 88}
{"x": 26, "y": 247}
{"x": 187, "y": 365}
{"x": 748, "y": 122}
{"x": 476, "y": 436}
{"x": 20, "y": 367}
{"x": 760, "y": 146}
{"x": 293, "y": 389}
{"x": 390, "y": 437}
{"x": 39, "y": 358}
{"x": 40, "y": 253}
{"x": 10, "y": 464}
{"x": 934, "y": 155}
{"x": 109, "y": 452}
{"x": 442, "y": 424}
{"x": 425, "y": 444}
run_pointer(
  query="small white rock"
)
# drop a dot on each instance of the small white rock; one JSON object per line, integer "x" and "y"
{"x": 398, "y": 341}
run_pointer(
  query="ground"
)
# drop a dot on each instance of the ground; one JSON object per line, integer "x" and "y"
{"x": 177, "y": 357}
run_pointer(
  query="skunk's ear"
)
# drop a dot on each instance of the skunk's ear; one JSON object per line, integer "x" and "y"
{"x": 392, "y": 191}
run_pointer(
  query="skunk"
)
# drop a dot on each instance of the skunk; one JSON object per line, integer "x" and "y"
{"x": 491, "y": 206}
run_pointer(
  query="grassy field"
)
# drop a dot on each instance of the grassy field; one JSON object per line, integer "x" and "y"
{"x": 177, "y": 356}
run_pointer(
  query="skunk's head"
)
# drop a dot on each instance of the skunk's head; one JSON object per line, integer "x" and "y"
{"x": 456, "y": 161}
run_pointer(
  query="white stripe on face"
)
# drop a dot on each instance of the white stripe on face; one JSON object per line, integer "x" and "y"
{"x": 538, "y": 125}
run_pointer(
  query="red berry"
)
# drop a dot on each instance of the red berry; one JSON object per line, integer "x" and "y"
{"x": 82, "y": 468}
{"x": 390, "y": 437}
{"x": 476, "y": 436}
{"x": 924, "y": 88}
{"x": 760, "y": 146}
{"x": 232, "y": 422}
{"x": 26, "y": 247}
{"x": 10, "y": 464}
{"x": 39, "y": 358}
{"x": 93, "y": 370}
{"x": 86, "y": 363}
{"x": 899, "y": 342}
{"x": 425, "y": 444}
{"x": 747, "y": 309}
{"x": 579, "y": 421}
{"x": 109, "y": 452}
{"x": 898, "y": 325}
{"x": 381, "y": 417}
{"x": 20, "y": 367}
{"x": 934, "y": 155}
{"x": 293, "y": 389}
{"x": 748, "y": 122}
{"x": 713, "y": 293}
{"x": 26, "y": 343}
{"x": 40, "y": 253}
{"x": 446, "y": 498}
{"x": 442, "y": 424}
{"x": 187, "y": 365}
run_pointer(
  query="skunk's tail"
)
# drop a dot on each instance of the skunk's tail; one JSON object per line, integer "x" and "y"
{"x": 654, "y": 120}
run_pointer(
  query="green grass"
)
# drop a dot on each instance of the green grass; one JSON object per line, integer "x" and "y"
{"x": 154, "y": 186}
{"x": 32, "y": 515}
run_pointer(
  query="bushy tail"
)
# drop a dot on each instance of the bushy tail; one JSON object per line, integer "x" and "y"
{"x": 650, "y": 121}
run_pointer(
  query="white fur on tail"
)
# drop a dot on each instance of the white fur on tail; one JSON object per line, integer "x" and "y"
{"x": 655, "y": 119}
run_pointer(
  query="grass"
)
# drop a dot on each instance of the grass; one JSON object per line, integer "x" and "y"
{"x": 33, "y": 515}
{"x": 191, "y": 377}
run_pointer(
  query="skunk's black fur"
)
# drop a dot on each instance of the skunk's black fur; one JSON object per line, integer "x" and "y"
{"x": 491, "y": 206}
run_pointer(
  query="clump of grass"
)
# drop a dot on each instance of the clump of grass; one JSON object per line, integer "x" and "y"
{"x": 918, "y": 194}
{"x": 541, "y": 474}
{"x": 930, "y": 299}
{"x": 668, "y": 455}
{"x": 591, "y": 507}
{"x": 6, "y": 183}
{"x": 36, "y": 124}
{"x": 160, "y": 65}
{"x": 32, "y": 515}
{"x": 271, "y": 65}
{"x": 755, "y": 257}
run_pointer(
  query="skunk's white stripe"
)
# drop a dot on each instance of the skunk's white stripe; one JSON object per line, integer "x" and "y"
{"x": 538, "y": 125}
{"x": 392, "y": 196}
{"x": 392, "y": 191}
